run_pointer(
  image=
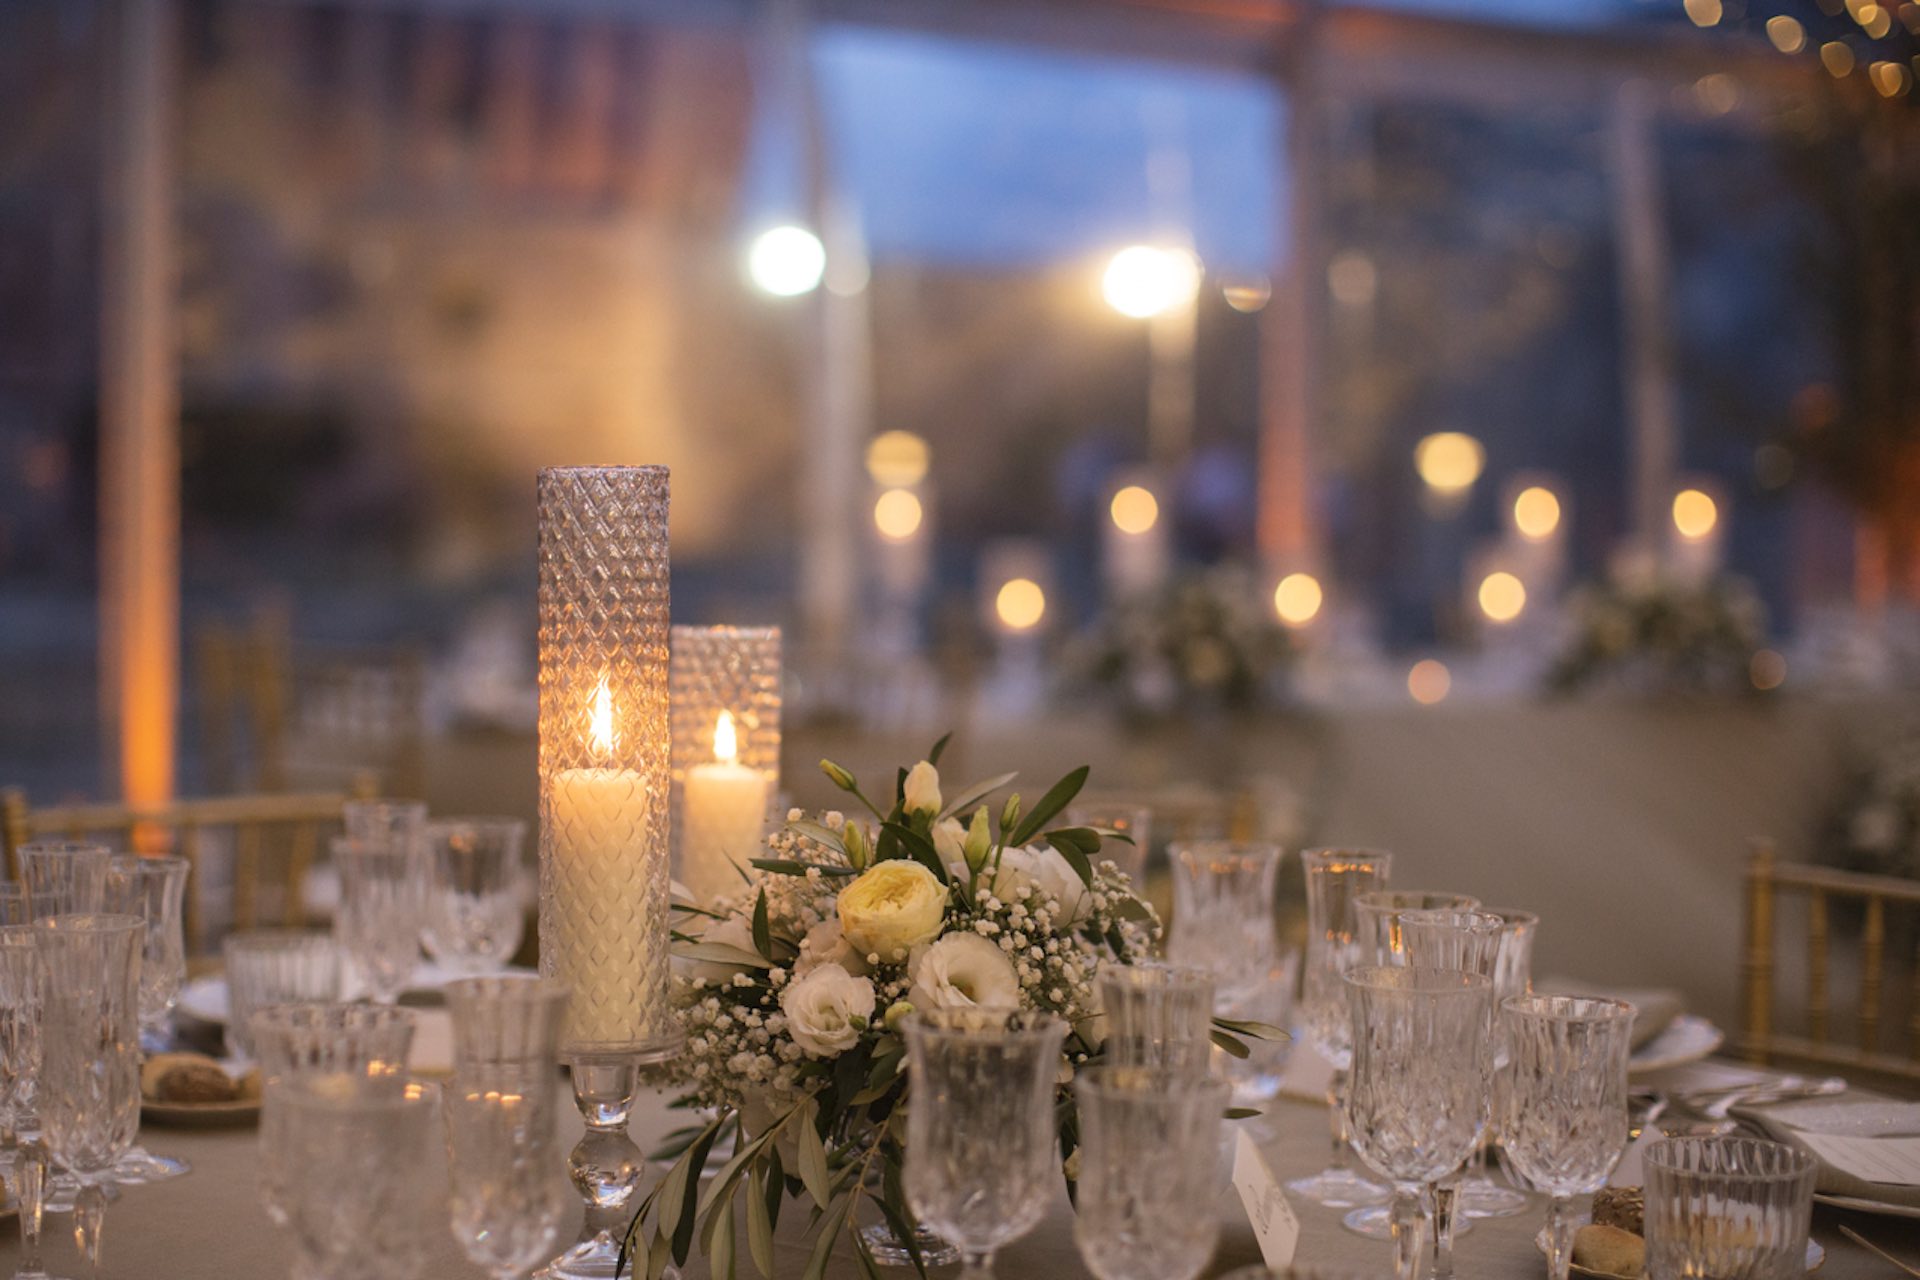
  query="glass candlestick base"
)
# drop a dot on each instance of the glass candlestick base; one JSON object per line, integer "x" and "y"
{"x": 607, "y": 1166}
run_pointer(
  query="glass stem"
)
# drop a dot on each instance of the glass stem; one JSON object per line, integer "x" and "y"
{"x": 1409, "y": 1233}
{"x": 89, "y": 1215}
{"x": 1445, "y": 1201}
{"x": 32, "y": 1189}
{"x": 976, "y": 1265}
{"x": 1560, "y": 1229}
{"x": 1337, "y": 1121}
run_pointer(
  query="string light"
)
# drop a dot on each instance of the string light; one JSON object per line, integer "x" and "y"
{"x": 1142, "y": 281}
{"x": 897, "y": 459}
{"x": 1787, "y": 34}
{"x": 897, "y": 514}
{"x": 1502, "y": 596}
{"x": 1134, "y": 510}
{"x": 1449, "y": 461}
{"x": 1694, "y": 514}
{"x": 1298, "y": 599}
{"x": 1837, "y": 59}
{"x": 1768, "y": 670}
{"x": 1429, "y": 681}
{"x": 787, "y": 261}
{"x": 1705, "y": 13}
{"x": 1020, "y": 604}
{"x": 1536, "y": 513}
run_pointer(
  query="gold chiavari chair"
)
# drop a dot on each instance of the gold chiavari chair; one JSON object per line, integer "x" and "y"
{"x": 1817, "y": 1038}
{"x": 274, "y": 840}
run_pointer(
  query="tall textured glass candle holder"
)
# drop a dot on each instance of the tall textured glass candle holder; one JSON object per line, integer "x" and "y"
{"x": 604, "y": 867}
{"x": 726, "y": 751}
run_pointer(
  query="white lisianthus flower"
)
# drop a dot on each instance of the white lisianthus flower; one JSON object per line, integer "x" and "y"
{"x": 1056, "y": 879}
{"x": 961, "y": 971}
{"x": 950, "y": 842}
{"x": 923, "y": 789}
{"x": 826, "y": 944}
{"x": 735, "y": 932}
{"x": 891, "y": 908}
{"x": 826, "y": 1010}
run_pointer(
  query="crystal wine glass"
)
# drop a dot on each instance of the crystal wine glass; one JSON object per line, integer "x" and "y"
{"x": 1417, "y": 1100}
{"x": 20, "y": 967}
{"x": 1149, "y": 1171}
{"x": 1481, "y": 1196}
{"x": 1377, "y": 919}
{"x": 510, "y": 1195}
{"x": 385, "y": 823}
{"x": 1733, "y": 1207}
{"x": 507, "y": 1023}
{"x": 1158, "y": 1015}
{"x": 1223, "y": 922}
{"x": 89, "y": 1083}
{"x": 152, "y": 889}
{"x": 476, "y": 893}
{"x": 64, "y": 877}
{"x": 1564, "y": 1122}
{"x": 307, "y": 1042}
{"x": 267, "y": 967}
{"x": 1335, "y": 878}
{"x": 357, "y": 1203}
{"x": 382, "y": 902}
{"x": 980, "y": 1132}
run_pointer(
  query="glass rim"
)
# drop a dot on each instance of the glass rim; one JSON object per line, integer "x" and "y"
{"x": 278, "y": 939}
{"x": 516, "y": 988}
{"x": 476, "y": 821}
{"x": 151, "y": 860}
{"x": 353, "y": 847}
{"x": 722, "y": 630}
{"x": 650, "y": 469}
{"x": 980, "y": 1024}
{"x": 1659, "y": 1155}
{"x": 1251, "y": 850}
{"x": 99, "y": 924}
{"x": 1118, "y": 1080}
{"x": 1180, "y": 977}
{"x": 1412, "y": 978}
{"x": 409, "y": 1092}
{"x": 292, "y": 1012}
{"x": 1458, "y": 917}
{"x": 1513, "y": 917}
{"x": 1565, "y": 1008}
{"x": 1385, "y": 900}
{"x": 385, "y": 804}
{"x": 1321, "y": 857}
{"x": 67, "y": 846}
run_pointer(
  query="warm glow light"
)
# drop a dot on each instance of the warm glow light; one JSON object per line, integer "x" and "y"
{"x": 1768, "y": 670}
{"x": 1536, "y": 513}
{"x": 1502, "y": 596}
{"x": 787, "y": 261}
{"x": 1890, "y": 78}
{"x": 1297, "y": 599}
{"x": 1143, "y": 281}
{"x": 1787, "y": 34}
{"x": 1353, "y": 279}
{"x": 1705, "y": 13}
{"x": 1874, "y": 20}
{"x": 726, "y": 748}
{"x": 600, "y": 728}
{"x": 1429, "y": 681}
{"x": 1134, "y": 510}
{"x": 1836, "y": 58}
{"x": 1694, "y": 514}
{"x": 1449, "y": 461}
{"x": 1021, "y": 604}
{"x": 897, "y": 458}
{"x": 1246, "y": 294}
{"x": 897, "y": 514}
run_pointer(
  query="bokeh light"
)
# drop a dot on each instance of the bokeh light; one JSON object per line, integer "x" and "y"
{"x": 1143, "y": 281}
{"x": 1353, "y": 279}
{"x": 787, "y": 261}
{"x": 1134, "y": 510}
{"x": 1536, "y": 513}
{"x": 1429, "y": 681}
{"x": 1298, "y": 599}
{"x": 1449, "y": 461}
{"x": 1768, "y": 670}
{"x": 1502, "y": 596}
{"x": 1704, "y": 13}
{"x": 897, "y": 514}
{"x": 1246, "y": 294}
{"x": 1837, "y": 59}
{"x": 1020, "y": 604}
{"x": 1787, "y": 34}
{"x": 897, "y": 458}
{"x": 1694, "y": 514}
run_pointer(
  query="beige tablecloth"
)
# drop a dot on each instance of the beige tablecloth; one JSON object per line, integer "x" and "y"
{"x": 208, "y": 1225}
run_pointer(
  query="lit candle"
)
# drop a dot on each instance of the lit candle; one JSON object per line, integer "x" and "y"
{"x": 725, "y": 807}
{"x": 599, "y": 821}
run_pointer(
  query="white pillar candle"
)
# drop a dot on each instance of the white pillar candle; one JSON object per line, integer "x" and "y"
{"x": 725, "y": 811}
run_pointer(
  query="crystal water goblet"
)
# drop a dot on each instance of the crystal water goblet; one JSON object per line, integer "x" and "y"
{"x": 1563, "y": 1122}
{"x": 1149, "y": 1171}
{"x": 64, "y": 877}
{"x": 267, "y": 967}
{"x": 1223, "y": 922}
{"x": 88, "y": 1088}
{"x": 20, "y": 967}
{"x": 1417, "y": 1100}
{"x": 507, "y": 1023}
{"x": 476, "y": 893}
{"x": 1480, "y": 1196}
{"x": 1158, "y": 1015}
{"x": 357, "y": 1202}
{"x": 510, "y": 1198}
{"x": 382, "y": 902}
{"x": 152, "y": 889}
{"x": 1335, "y": 880}
{"x": 1377, "y": 919}
{"x": 13, "y": 903}
{"x": 385, "y": 823}
{"x": 307, "y": 1042}
{"x": 980, "y": 1132}
{"x": 1737, "y": 1208}
{"x": 1126, "y": 819}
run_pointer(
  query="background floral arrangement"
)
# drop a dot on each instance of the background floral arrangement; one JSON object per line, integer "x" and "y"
{"x": 1206, "y": 641}
{"x": 1878, "y": 826}
{"x": 792, "y": 992}
{"x": 1651, "y": 633}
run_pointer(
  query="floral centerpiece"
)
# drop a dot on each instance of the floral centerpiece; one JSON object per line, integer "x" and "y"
{"x": 1655, "y": 633}
{"x": 1205, "y": 641}
{"x": 793, "y": 988}
{"x": 1878, "y": 827}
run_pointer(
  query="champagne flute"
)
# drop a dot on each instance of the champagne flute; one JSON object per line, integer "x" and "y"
{"x": 152, "y": 889}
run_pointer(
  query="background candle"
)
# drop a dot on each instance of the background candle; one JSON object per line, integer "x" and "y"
{"x": 726, "y": 805}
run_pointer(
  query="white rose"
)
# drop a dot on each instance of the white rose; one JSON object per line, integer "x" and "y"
{"x": 923, "y": 789}
{"x": 1040, "y": 869}
{"x": 963, "y": 970}
{"x": 735, "y": 932}
{"x": 822, "y": 1007}
{"x": 826, "y": 944}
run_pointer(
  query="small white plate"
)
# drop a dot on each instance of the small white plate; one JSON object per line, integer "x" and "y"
{"x": 1879, "y": 1208}
{"x": 1816, "y": 1255}
{"x": 1688, "y": 1038}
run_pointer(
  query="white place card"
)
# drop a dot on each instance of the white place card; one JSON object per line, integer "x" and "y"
{"x": 1895, "y": 1161}
{"x": 1274, "y": 1224}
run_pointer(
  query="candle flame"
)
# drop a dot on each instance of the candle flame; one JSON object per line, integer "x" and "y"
{"x": 601, "y": 726}
{"x": 726, "y": 748}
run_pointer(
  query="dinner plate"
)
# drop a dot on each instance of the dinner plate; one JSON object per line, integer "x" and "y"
{"x": 1688, "y": 1038}
{"x": 200, "y": 1115}
{"x": 1853, "y": 1118}
{"x": 1879, "y": 1208}
{"x": 1816, "y": 1255}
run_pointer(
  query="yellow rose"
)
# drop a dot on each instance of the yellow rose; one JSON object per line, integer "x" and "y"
{"x": 892, "y": 908}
